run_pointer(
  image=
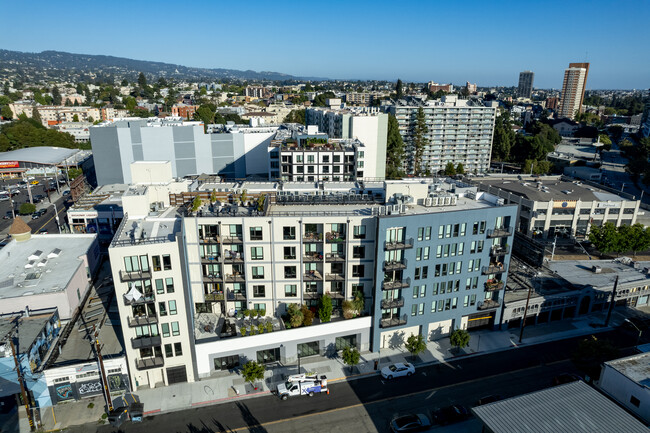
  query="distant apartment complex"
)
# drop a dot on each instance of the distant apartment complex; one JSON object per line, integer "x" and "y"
{"x": 525, "y": 88}
{"x": 573, "y": 90}
{"x": 459, "y": 132}
{"x": 184, "y": 111}
{"x": 435, "y": 87}
{"x": 361, "y": 98}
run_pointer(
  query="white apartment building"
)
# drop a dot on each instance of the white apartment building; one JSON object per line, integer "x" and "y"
{"x": 459, "y": 132}
{"x": 55, "y": 114}
{"x": 79, "y": 130}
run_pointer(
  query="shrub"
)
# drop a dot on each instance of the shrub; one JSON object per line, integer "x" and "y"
{"x": 26, "y": 209}
{"x": 253, "y": 371}
{"x": 91, "y": 405}
{"x": 269, "y": 327}
{"x": 295, "y": 315}
{"x": 260, "y": 328}
{"x": 348, "y": 309}
{"x": 325, "y": 308}
{"x": 243, "y": 332}
{"x": 459, "y": 338}
{"x": 307, "y": 314}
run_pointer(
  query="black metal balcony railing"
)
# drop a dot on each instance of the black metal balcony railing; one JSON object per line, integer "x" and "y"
{"x": 134, "y": 275}
{"x": 335, "y": 294}
{"x": 235, "y": 278}
{"x": 312, "y": 257}
{"x": 142, "y": 320}
{"x": 335, "y": 257}
{"x": 311, "y": 295}
{"x": 488, "y": 304}
{"x": 335, "y": 277}
{"x": 396, "y": 284}
{"x": 392, "y": 303}
{"x": 147, "y": 363}
{"x": 334, "y": 237}
{"x": 213, "y": 297}
{"x": 393, "y": 321}
{"x": 394, "y": 265}
{"x": 211, "y": 258}
{"x": 233, "y": 257}
{"x": 237, "y": 239}
{"x": 499, "y": 232}
{"x": 142, "y": 342}
{"x": 500, "y": 250}
{"x": 491, "y": 286}
{"x": 236, "y": 296}
{"x": 312, "y": 237}
{"x": 493, "y": 269}
{"x": 212, "y": 278}
{"x": 398, "y": 245}
{"x": 210, "y": 239}
{"x": 312, "y": 276}
{"x": 144, "y": 299}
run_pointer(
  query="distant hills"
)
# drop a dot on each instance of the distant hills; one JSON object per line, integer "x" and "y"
{"x": 60, "y": 65}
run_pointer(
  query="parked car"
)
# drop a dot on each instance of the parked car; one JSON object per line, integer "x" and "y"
{"x": 450, "y": 414}
{"x": 39, "y": 197}
{"x": 42, "y": 232}
{"x": 34, "y": 182}
{"x": 66, "y": 192}
{"x": 488, "y": 399}
{"x": 397, "y": 370}
{"x": 8, "y": 215}
{"x": 36, "y": 215}
{"x": 565, "y": 378}
{"x": 414, "y": 422}
{"x": 41, "y": 212}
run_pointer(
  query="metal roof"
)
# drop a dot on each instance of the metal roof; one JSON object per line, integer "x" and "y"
{"x": 574, "y": 407}
{"x": 40, "y": 154}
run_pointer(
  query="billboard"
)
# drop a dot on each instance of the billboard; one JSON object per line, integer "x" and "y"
{"x": 9, "y": 164}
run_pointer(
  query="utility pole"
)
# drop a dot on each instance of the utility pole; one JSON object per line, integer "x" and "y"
{"x": 21, "y": 381}
{"x": 107, "y": 392}
{"x": 523, "y": 321}
{"x": 612, "y": 302}
{"x": 553, "y": 251}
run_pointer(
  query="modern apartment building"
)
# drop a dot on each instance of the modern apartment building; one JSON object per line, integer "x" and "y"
{"x": 525, "y": 89}
{"x": 459, "y": 131}
{"x": 361, "y": 98}
{"x": 573, "y": 89}
{"x": 366, "y": 124}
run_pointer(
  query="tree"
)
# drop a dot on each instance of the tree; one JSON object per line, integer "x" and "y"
{"x": 415, "y": 344}
{"x": 419, "y": 141}
{"x": 358, "y": 303}
{"x": 605, "y": 238}
{"x": 6, "y": 112}
{"x": 260, "y": 202}
{"x": 325, "y": 308}
{"x": 36, "y": 116}
{"x": 449, "y": 169}
{"x": 74, "y": 173}
{"x": 504, "y": 138}
{"x": 213, "y": 196}
{"x": 296, "y": 318}
{"x": 350, "y": 356}
{"x": 253, "y": 371}
{"x": 459, "y": 338}
{"x": 75, "y": 118}
{"x": 142, "y": 81}
{"x": 399, "y": 91}
{"x": 460, "y": 169}
{"x": 56, "y": 96}
{"x": 243, "y": 197}
{"x": 295, "y": 116}
{"x": 26, "y": 209}
{"x": 591, "y": 353}
{"x": 196, "y": 203}
{"x": 307, "y": 315}
{"x": 639, "y": 238}
{"x": 394, "y": 150}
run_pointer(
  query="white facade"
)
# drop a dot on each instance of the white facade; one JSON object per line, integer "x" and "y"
{"x": 626, "y": 381}
{"x": 573, "y": 89}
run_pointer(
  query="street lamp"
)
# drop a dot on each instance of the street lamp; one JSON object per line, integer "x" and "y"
{"x": 56, "y": 216}
{"x": 638, "y": 337}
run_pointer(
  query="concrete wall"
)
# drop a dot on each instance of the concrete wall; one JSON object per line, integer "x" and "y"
{"x": 622, "y": 389}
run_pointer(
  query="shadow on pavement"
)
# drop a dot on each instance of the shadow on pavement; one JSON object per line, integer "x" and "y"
{"x": 251, "y": 422}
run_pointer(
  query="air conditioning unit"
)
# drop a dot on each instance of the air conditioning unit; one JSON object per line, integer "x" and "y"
{"x": 428, "y": 202}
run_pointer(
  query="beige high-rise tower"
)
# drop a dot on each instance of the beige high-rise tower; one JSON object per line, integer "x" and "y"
{"x": 573, "y": 89}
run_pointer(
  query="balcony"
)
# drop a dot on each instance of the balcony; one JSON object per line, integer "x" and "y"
{"x": 334, "y": 237}
{"x": 211, "y": 239}
{"x": 312, "y": 237}
{"x": 312, "y": 276}
{"x": 500, "y": 250}
{"x": 210, "y": 259}
{"x": 235, "y": 278}
{"x": 236, "y": 296}
{"x": 237, "y": 239}
{"x": 335, "y": 295}
{"x": 499, "y": 232}
{"x": 492, "y": 286}
{"x": 335, "y": 257}
{"x": 396, "y": 284}
{"x": 134, "y": 276}
{"x": 143, "y": 299}
{"x": 335, "y": 277}
{"x": 392, "y": 303}
{"x": 392, "y": 322}
{"x": 312, "y": 257}
{"x": 488, "y": 304}
{"x": 213, "y": 297}
{"x": 142, "y": 342}
{"x": 147, "y": 363}
{"x": 212, "y": 278}
{"x": 394, "y": 265}
{"x": 311, "y": 295}
{"x": 142, "y": 320}
{"x": 233, "y": 257}
{"x": 398, "y": 245}
{"x": 493, "y": 269}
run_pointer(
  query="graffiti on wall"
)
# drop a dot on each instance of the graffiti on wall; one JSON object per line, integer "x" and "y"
{"x": 116, "y": 382}
{"x": 64, "y": 392}
{"x": 87, "y": 388}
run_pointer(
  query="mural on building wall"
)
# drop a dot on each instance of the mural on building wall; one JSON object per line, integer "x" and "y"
{"x": 63, "y": 392}
{"x": 117, "y": 382}
{"x": 87, "y": 389}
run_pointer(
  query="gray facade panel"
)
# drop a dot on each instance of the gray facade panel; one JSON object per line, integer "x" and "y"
{"x": 184, "y": 150}
{"x": 183, "y": 134}
{"x": 106, "y": 153}
{"x": 185, "y": 167}
{"x": 138, "y": 154}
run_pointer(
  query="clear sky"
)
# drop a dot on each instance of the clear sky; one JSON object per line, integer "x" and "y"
{"x": 485, "y": 42}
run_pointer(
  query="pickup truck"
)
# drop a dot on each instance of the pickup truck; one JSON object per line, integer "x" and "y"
{"x": 301, "y": 384}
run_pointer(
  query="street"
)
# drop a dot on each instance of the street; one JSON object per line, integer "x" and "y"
{"x": 368, "y": 404}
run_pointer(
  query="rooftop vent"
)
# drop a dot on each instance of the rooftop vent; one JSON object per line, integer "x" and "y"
{"x": 54, "y": 253}
{"x": 35, "y": 255}
{"x": 596, "y": 269}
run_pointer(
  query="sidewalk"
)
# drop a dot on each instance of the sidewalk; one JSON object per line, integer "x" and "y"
{"x": 226, "y": 386}
{"x": 44, "y": 204}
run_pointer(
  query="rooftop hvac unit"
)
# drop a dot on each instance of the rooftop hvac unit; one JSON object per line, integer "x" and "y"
{"x": 402, "y": 208}
{"x": 596, "y": 269}
{"x": 428, "y": 201}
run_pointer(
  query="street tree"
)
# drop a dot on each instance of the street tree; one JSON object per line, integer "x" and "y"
{"x": 253, "y": 371}
{"x": 415, "y": 344}
{"x": 350, "y": 356}
{"x": 459, "y": 338}
{"x": 450, "y": 170}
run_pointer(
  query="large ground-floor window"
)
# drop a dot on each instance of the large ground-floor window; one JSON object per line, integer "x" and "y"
{"x": 308, "y": 349}
{"x": 226, "y": 362}
{"x": 347, "y": 341}
{"x": 268, "y": 355}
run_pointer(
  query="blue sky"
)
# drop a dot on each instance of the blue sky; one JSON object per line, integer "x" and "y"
{"x": 485, "y": 42}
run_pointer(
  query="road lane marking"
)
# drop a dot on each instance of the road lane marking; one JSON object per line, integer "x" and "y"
{"x": 48, "y": 221}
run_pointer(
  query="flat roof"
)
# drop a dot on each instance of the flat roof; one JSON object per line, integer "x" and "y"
{"x": 42, "y": 264}
{"x": 156, "y": 228}
{"x": 580, "y": 274}
{"x": 29, "y": 327}
{"x": 635, "y": 367}
{"x": 573, "y": 407}
{"x": 40, "y": 155}
{"x": 555, "y": 189}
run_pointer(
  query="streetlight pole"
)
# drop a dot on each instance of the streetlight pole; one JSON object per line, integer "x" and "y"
{"x": 638, "y": 337}
{"x": 56, "y": 216}
{"x": 523, "y": 321}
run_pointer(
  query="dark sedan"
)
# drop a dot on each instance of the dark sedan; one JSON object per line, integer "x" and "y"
{"x": 414, "y": 422}
{"x": 450, "y": 414}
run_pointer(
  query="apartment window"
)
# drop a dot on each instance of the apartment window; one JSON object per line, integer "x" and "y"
{"x": 359, "y": 232}
{"x": 427, "y": 234}
{"x": 358, "y": 252}
{"x": 144, "y": 263}
{"x": 165, "y": 329}
{"x": 162, "y": 307}
{"x": 167, "y": 262}
{"x": 172, "y": 308}
{"x": 463, "y": 229}
{"x": 311, "y": 159}
{"x": 421, "y": 309}
{"x": 445, "y": 251}
{"x": 481, "y": 228}
{"x": 289, "y": 233}
{"x": 131, "y": 264}
{"x": 169, "y": 284}
{"x": 472, "y": 299}
{"x": 468, "y": 284}
{"x": 439, "y": 251}
{"x": 454, "y": 303}
{"x": 290, "y": 289}
{"x": 160, "y": 287}
{"x": 425, "y": 272}
{"x": 461, "y": 248}
{"x": 289, "y": 253}
{"x": 416, "y": 291}
{"x": 418, "y": 272}
{"x": 448, "y": 231}
{"x": 456, "y": 230}
{"x": 258, "y": 272}
{"x": 259, "y": 291}
{"x": 177, "y": 349}
{"x": 433, "y": 306}
{"x": 155, "y": 260}
{"x": 466, "y": 301}
{"x": 168, "y": 351}
{"x": 421, "y": 233}
{"x": 423, "y": 291}
{"x": 358, "y": 271}
{"x": 425, "y": 255}
{"x": 459, "y": 267}
{"x": 441, "y": 232}
{"x": 418, "y": 254}
{"x": 475, "y": 228}
{"x": 257, "y": 253}
{"x": 175, "y": 329}
{"x": 414, "y": 310}
{"x": 441, "y": 304}
{"x": 477, "y": 264}
{"x": 336, "y": 158}
{"x": 290, "y": 272}
{"x": 434, "y": 288}
{"x": 256, "y": 233}
{"x": 298, "y": 158}
{"x": 447, "y": 304}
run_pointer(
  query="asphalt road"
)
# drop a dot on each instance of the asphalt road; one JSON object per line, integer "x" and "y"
{"x": 371, "y": 402}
